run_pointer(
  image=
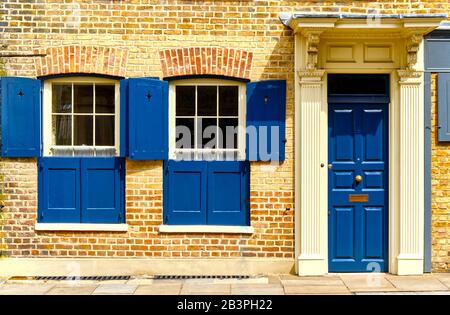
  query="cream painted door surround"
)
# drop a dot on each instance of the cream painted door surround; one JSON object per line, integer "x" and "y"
{"x": 353, "y": 44}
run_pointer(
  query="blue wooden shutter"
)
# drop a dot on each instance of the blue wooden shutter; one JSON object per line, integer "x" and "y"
{"x": 102, "y": 190}
{"x": 148, "y": 119}
{"x": 20, "y": 117}
{"x": 444, "y": 106}
{"x": 266, "y": 108}
{"x": 185, "y": 192}
{"x": 228, "y": 186}
{"x": 59, "y": 190}
{"x": 123, "y": 118}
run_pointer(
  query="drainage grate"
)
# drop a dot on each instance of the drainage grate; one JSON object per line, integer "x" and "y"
{"x": 184, "y": 277}
{"x": 73, "y": 278}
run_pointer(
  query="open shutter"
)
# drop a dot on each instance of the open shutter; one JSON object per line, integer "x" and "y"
{"x": 59, "y": 190}
{"x": 148, "y": 119}
{"x": 444, "y": 106}
{"x": 228, "y": 185}
{"x": 102, "y": 190}
{"x": 266, "y": 120}
{"x": 20, "y": 117}
{"x": 185, "y": 192}
{"x": 123, "y": 118}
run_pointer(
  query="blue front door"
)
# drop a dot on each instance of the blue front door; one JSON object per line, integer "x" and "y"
{"x": 358, "y": 179}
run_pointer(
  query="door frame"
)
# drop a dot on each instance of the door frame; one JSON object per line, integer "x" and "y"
{"x": 387, "y": 168}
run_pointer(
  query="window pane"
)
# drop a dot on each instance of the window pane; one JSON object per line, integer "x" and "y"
{"x": 208, "y": 136}
{"x": 104, "y": 130}
{"x": 207, "y": 100}
{"x": 184, "y": 135}
{"x": 228, "y": 127}
{"x": 61, "y": 98}
{"x": 228, "y": 101}
{"x": 185, "y": 101}
{"x": 104, "y": 98}
{"x": 83, "y": 98}
{"x": 62, "y": 129}
{"x": 83, "y": 130}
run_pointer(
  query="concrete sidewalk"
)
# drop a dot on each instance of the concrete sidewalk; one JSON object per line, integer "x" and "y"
{"x": 370, "y": 283}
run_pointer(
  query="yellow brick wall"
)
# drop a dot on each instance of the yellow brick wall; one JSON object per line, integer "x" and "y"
{"x": 440, "y": 191}
{"x": 144, "y": 27}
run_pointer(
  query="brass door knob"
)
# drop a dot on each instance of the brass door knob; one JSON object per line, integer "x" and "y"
{"x": 358, "y": 178}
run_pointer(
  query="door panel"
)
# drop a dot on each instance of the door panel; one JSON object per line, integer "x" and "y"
{"x": 358, "y": 145}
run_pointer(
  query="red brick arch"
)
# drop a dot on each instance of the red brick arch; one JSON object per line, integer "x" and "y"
{"x": 81, "y": 59}
{"x": 206, "y": 61}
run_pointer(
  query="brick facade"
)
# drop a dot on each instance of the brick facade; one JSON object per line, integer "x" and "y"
{"x": 206, "y": 60}
{"x": 135, "y": 38}
{"x": 81, "y": 59}
{"x": 440, "y": 190}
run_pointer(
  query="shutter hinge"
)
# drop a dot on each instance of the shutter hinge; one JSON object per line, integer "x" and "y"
{"x": 42, "y": 215}
{"x": 166, "y": 219}
{"x": 167, "y": 169}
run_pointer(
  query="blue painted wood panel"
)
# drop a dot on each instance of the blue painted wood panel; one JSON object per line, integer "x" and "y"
{"x": 185, "y": 191}
{"x": 59, "y": 196}
{"x": 444, "y": 106}
{"x": 228, "y": 185}
{"x": 102, "y": 189}
{"x": 206, "y": 192}
{"x": 358, "y": 145}
{"x": 20, "y": 117}
{"x": 266, "y": 114}
{"x": 148, "y": 119}
{"x": 81, "y": 190}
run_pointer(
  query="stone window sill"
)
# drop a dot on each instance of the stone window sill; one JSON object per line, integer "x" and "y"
{"x": 81, "y": 227}
{"x": 206, "y": 229}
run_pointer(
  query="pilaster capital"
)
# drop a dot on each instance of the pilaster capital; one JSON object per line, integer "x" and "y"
{"x": 409, "y": 76}
{"x": 310, "y": 76}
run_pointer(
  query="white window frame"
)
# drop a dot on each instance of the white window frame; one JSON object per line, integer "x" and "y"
{"x": 47, "y": 133}
{"x": 242, "y": 110}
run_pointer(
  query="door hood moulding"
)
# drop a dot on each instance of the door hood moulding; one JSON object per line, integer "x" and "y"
{"x": 371, "y": 22}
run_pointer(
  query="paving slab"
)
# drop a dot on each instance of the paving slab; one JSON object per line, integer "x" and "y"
{"x": 416, "y": 283}
{"x": 256, "y": 280}
{"x": 316, "y": 289}
{"x": 405, "y": 293}
{"x": 313, "y": 281}
{"x": 205, "y": 289}
{"x": 159, "y": 289}
{"x": 24, "y": 289}
{"x": 444, "y": 278}
{"x": 257, "y": 289}
{"x": 115, "y": 289}
{"x": 367, "y": 282}
{"x": 72, "y": 290}
{"x": 142, "y": 281}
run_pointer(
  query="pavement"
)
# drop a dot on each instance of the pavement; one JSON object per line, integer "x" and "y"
{"x": 335, "y": 284}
